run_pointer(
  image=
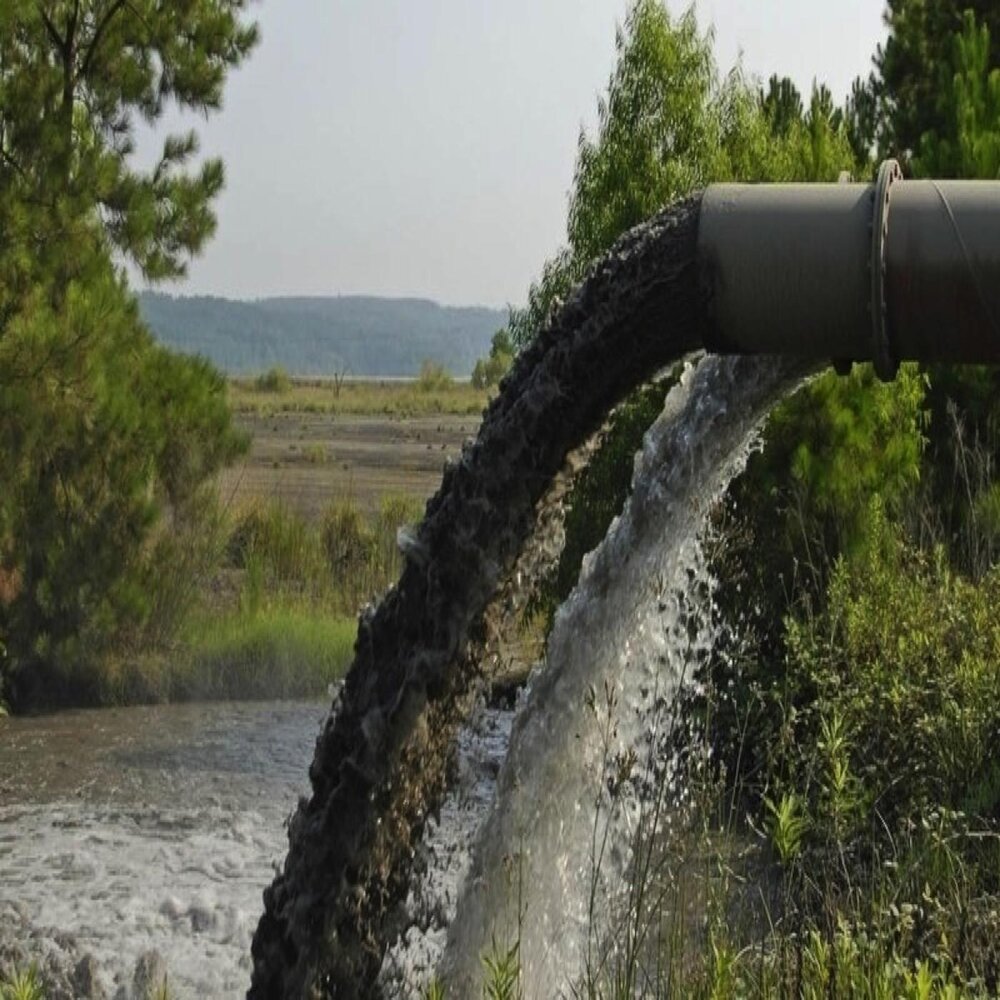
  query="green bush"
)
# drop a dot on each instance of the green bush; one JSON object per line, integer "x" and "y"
{"x": 434, "y": 377}
{"x": 275, "y": 379}
{"x": 490, "y": 370}
{"x": 349, "y": 546}
{"x": 907, "y": 654}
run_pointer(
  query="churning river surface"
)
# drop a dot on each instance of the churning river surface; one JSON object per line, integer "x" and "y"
{"x": 152, "y": 828}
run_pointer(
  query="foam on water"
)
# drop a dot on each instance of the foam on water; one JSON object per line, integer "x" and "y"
{"x": 128, "y": 830}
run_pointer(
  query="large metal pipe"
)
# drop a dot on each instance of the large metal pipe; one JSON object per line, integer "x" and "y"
{"x": 892, "y": 271}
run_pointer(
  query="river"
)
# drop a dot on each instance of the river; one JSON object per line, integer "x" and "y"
{"x": 152, "y": 828}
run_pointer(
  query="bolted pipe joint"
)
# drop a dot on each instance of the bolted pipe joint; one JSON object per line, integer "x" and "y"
{"x": 887, "y": 272}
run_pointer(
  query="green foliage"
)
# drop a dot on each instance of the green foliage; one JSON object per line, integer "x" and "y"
{"x": 344, "y": 561}
{"x": 657, "y": 136}
{"x": 282, "y": 649}
{"x": 782, "y": 105}
{"x": 787, "y": 825}
{"x": 913, "y": 60}
{"x": 965, "y": 141}
{"x": 435, "y": 990}
{"x": 829, "y": 448}
{"x": 502, "y": 968}
{"x": 434, "y": 377}
{"x": 861, "y": 119}
{"x": 106, "y": 439}
{"x": 275, "y": 379}
{"x": 489, "y": 371}
{"x": 24, "y": 985}
{"x": 75, "y": 78}
{"x": 847, "y": 962}
{"x": 907, "y": 654}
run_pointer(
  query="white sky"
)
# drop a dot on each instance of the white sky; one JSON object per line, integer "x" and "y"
{"x": 426, "y": 147}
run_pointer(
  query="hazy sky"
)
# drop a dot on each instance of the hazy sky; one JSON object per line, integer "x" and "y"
{"x": 426, "y": 147}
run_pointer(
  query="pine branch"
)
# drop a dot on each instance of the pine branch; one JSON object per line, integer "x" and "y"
{"x": 99, "y": 32}
{"x": 57, "y": 39}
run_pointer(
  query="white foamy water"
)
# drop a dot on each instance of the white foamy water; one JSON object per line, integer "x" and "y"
{"x": 552, "y": 860}
{"x": 151, "y": 828}
{"x": 443, "y": 858}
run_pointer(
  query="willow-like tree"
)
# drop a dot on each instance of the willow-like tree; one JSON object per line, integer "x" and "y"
{"x": 105, "y": 438}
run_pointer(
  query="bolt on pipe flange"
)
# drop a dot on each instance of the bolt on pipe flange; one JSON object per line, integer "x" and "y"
{"x": 885, "y": 364}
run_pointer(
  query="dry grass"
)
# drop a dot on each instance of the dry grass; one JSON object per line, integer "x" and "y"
{"x": 304, "y": 459}
{"x": 388, "y": 398}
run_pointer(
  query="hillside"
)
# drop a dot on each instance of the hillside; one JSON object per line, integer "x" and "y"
{"x": 360, "y": 335}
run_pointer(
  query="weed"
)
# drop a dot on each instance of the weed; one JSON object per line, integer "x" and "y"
{"x": 502, "y": 968}
{"x": 435, "y": 990}
{"x": 24, "y": 985}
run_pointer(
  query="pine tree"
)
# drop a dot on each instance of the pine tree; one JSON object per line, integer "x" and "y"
{"x": 105, "y": 438}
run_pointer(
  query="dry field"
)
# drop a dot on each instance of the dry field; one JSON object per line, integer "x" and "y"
{"x": 305, "y": 459}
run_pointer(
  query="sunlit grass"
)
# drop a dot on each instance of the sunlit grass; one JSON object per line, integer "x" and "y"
{"x": 277, "y": 651}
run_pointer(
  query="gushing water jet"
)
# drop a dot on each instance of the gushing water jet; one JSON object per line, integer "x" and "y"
{"x": 885, "y": 272}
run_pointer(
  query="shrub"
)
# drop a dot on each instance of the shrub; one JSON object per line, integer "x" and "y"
{"x": 907, "y": 654}
{"x": 434, "y": 377}
{"x": 490, "y": 370}
{"x": 348, "y": 543}
{"x": 275, "y": 379}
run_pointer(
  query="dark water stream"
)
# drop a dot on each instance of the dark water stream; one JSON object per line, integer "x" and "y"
{"x": 382, "y": 763}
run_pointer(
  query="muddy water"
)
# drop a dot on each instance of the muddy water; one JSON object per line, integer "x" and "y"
{"x": 158, "y": 827}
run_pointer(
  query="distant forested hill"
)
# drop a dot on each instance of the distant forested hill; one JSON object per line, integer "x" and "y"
{"x": 359, "y": 335}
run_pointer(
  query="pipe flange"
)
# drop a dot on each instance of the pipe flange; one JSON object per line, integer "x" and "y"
{"x": 883, "y": 360}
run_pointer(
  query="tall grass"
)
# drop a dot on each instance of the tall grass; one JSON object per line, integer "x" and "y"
{"x": 288, "y": 627}
{"x": 343, "y": 562}
{"x": 275, "y": 651}
{"x": 275, "y": 379}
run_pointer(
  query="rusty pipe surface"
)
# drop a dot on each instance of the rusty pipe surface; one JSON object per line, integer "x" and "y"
{"x": 893, "y": 271}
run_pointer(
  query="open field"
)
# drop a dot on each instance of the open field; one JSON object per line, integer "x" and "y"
{"x": 395, "y": 397}
{"x": 306, "y": 453}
